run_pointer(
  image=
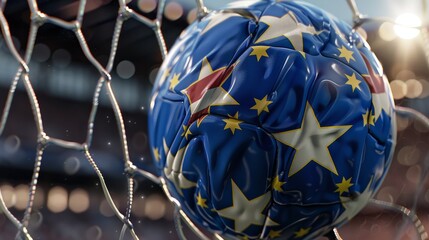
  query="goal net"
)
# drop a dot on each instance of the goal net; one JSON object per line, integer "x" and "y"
{"x": 71, "y": 107}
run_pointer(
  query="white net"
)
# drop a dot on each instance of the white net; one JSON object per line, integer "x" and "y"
{"x": 104, "y": 85}
{"x": 38, "y": 19}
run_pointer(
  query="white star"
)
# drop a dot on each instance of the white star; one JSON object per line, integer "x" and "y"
{"x": 174, "y": 171}
{"x": 287, "y": 26}
{"x": 218, "y": 19}
{"x": 379, "y": 87}
{"x": 246, "y": 212}
{"x": 353, "y": 206}
{"x": 206, "y": 69}
{"x": 382, "y": 101}
{"x": 311, "y": 142}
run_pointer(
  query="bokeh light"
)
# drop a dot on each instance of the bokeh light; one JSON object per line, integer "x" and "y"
{"x": 414, "y": 88}
{"x": 105, "y": 209}
{"x": 409, "y": 155}
{"x": 402, "y": 123}
{"x": 425, "y": 88}
{"x": 61, "y": 58}
{"x": 39, "y": 198}
{"x": 36, "y": 219}
{"x": 386, "y": 31}
{"x": 399, "y": 89}
{"x": 388, "y": 194}
{"x": 125, "y": 69}
{"x": 72, "y": 165}
{"x": 93, "y": 233}
{"x": 147, "y": 5}
{"x": 79, "y": 200}
{"x": 8, "y": 193}
{"x": 12, "y": 144}
{"x": 155, "y": 207}
{"x": 406, "y": 26}
{"x": 173, "y": 11}
{"x": 21, "y": 193}
{"x": 57, "y": 199}
{"x": 192, "y": 15}
{"x": 420, "y": 127}
{"x": 405, "y": 74}
{"x": 139, "y": 206}
{"x": 413, "y": 174}
{"x": 41, "y": 52}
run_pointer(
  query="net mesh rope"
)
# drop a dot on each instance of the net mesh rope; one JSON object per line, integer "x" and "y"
{"x": 23, "y": 73}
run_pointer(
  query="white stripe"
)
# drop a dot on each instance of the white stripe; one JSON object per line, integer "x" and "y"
{"x": 213, "y": 97}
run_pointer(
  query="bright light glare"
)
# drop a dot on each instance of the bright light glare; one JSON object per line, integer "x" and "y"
{"x": 406, "y": 26}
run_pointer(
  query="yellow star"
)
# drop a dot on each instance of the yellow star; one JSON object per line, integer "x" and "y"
{"x": 174, "y": 81}
{"x": 302, "y": 232}
{"x": 261, "y": 105}
{"x": 259, "y": 51}
{"x": 345, "y": 53}
{"x": 166, "y": 73}
{"x": 201, "y": 201}
{"x": 344, "y": 185}
{"x": 274, "y": 234}
{"x": 232, "y": 123}
{"x": 277, "y": 184}
{"x": 355, "y": 205}
{"x": 353, "y": 81}
{"x": 368, "y": 118}
{"x": 156, "y": 154}
{"x": 186, "y": 132}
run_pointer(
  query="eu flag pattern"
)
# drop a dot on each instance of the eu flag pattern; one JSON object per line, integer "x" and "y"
{"x": 271, "y": 119}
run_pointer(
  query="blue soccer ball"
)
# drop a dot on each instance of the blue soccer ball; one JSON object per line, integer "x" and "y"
{"x": 271, "y": 119}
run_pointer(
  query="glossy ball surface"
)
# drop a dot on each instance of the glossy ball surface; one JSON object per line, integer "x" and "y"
{"x": 271, "y": 119}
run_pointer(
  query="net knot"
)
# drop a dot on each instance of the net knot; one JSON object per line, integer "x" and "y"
{"x": 43, "y": 139}
{"x": 128, "y": 223}
{"x": 202, "y": 12}
{"x": 357, "y": 19}
{"x": 130, "y": 169}
{"x": 156, "y": 25}
{"x": 76, "y": 25}
{"x": 38, "y": 18}
{"x": 125, "y": 13}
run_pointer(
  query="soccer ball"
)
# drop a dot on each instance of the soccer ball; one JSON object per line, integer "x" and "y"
{"x": 271, "y": 119}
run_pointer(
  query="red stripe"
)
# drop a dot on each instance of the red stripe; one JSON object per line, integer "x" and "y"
{"x": 198, "y": 89}
{"x": 374, "y": 81}
{"x": 197, "y": 115}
